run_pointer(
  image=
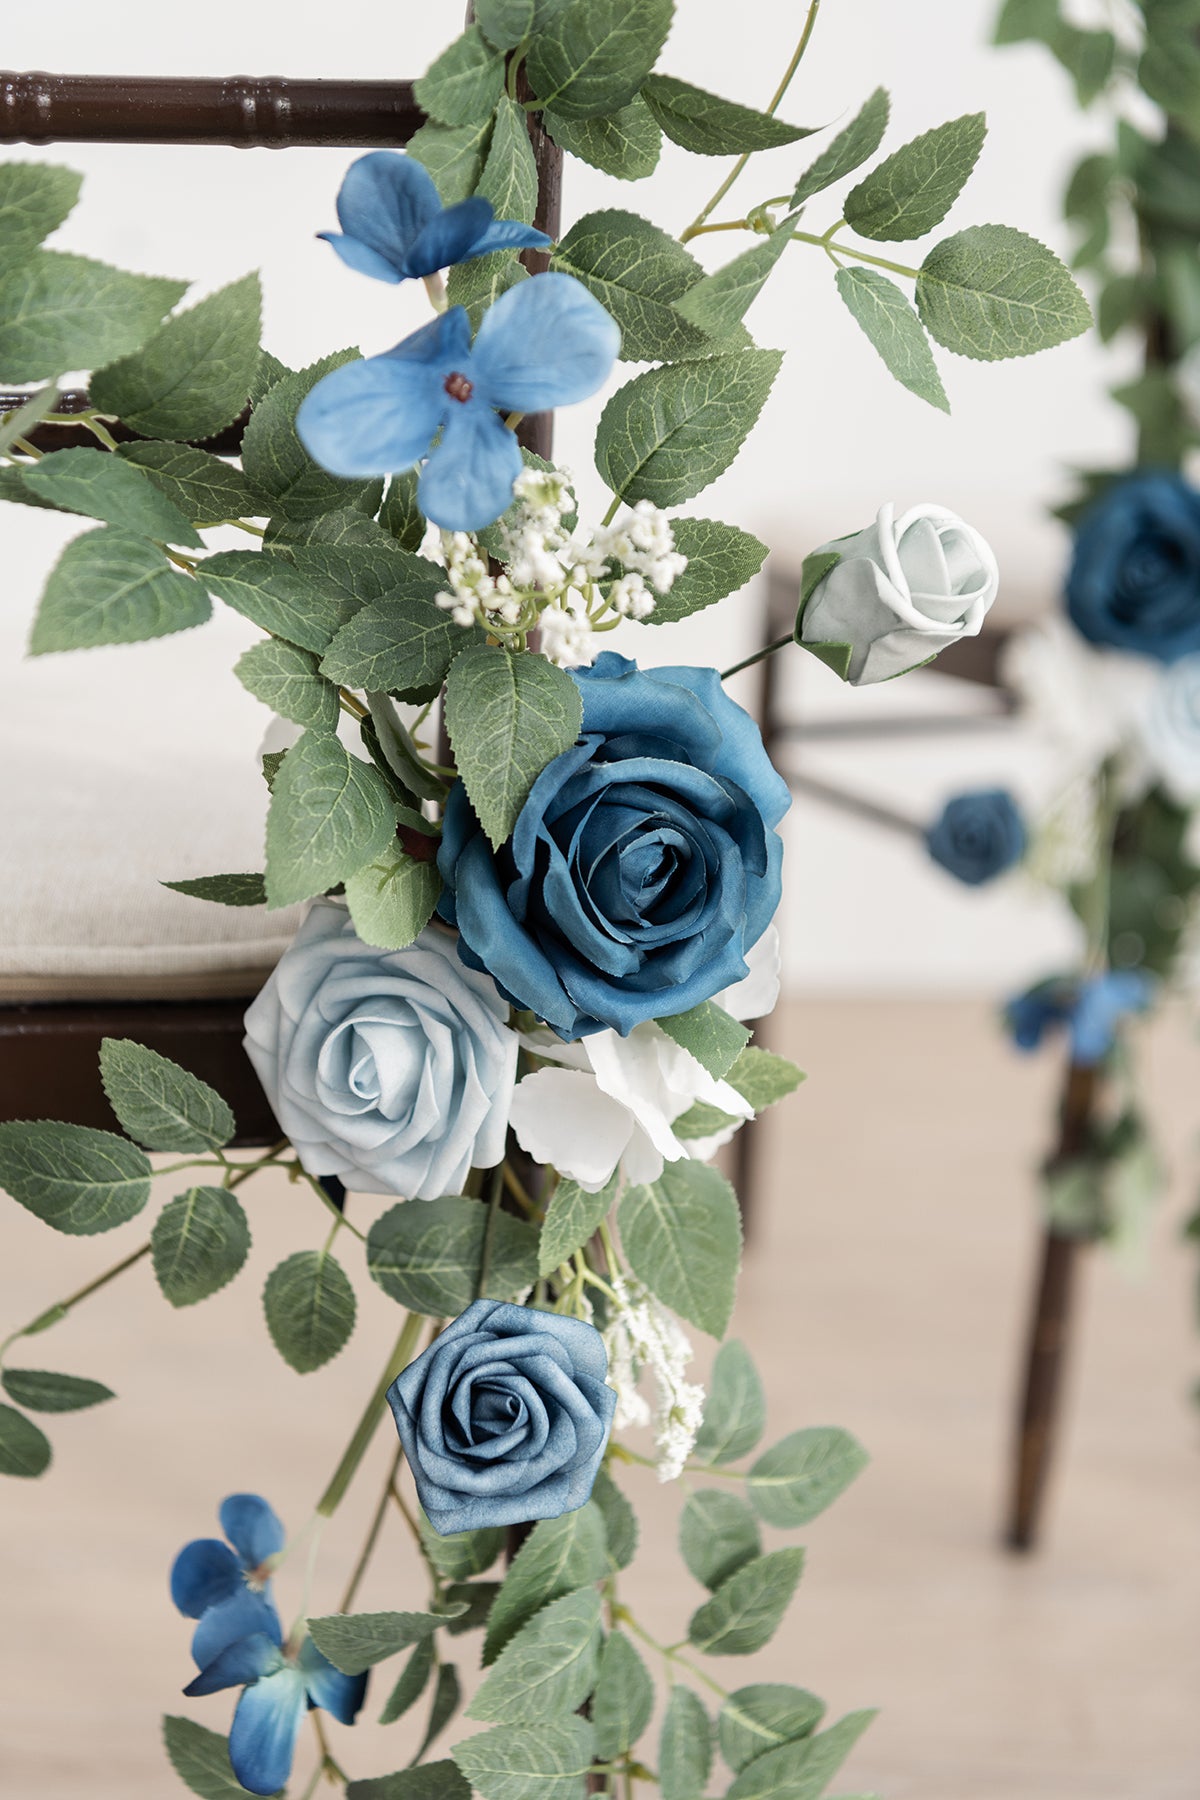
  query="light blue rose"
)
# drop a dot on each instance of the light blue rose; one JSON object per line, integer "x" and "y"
{"x": 391, "y": 1069}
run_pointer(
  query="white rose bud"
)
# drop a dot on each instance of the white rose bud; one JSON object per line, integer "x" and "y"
{"x": 901, "y": 590}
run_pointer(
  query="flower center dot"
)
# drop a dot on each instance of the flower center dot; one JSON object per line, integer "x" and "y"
{"x": 458, "y": 387}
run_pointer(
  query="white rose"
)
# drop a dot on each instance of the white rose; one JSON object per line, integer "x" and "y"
{"x": 901, "y": 590}
{"x": 1169, "y": 725}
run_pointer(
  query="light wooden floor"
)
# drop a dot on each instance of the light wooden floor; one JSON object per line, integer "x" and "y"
{"x": 883, "y": 1291}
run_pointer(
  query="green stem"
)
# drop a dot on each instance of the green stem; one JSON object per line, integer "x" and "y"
{"x": 236, "y": 1173}
{"x": 489, "y": 1230}
{"x": 623, "y": 1616}
{"x": 1098, "y": 898}
{"x": 403, "y": 1353}
{"x": 797, "y": 57}
{"x": 53, "y": 1314}
{"x": 759, "y": 656}
{"x": 611, "y": 514}
{"x": 723, "y": 225}
{"x": 297, "y": 1172}
{"x": 98, "y": 430}
{"x": 827, "y": 244}
{"x": 372, "y": 1538}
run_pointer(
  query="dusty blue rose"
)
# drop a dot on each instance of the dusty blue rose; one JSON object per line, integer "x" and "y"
{"x": 978, "y": 836}
{"x": 504, "y": 1417}
{"x": 1135, "y": 578}
{"x": 644, "y": 863}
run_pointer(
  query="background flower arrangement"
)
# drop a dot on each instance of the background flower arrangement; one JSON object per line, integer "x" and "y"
{"x": 603, "y": 843}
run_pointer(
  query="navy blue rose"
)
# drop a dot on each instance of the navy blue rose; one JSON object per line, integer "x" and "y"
{"x": 1135, "y": 578}
{"x": 505, "y": 1417}
{"x": 644, "y": 863}
{"x": 978, "y": 836}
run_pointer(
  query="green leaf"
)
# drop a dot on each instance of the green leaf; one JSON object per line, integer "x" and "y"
{"x": 101, "y": 486}
{"x": 529, "y": 1762}
{"x": 35, "y": 198}
{"x": 702, "y": 1121}
{"x": 509, "y": 713}
{"x": 620, "y": 1521}
{"x": 194, "y": 376}
{"x": 199, "y": 1242}
{"x": 626, "y": 143}
{"x": 465, "y": 82}
{"x": 200, "y": 1758}
{"x": 288, "y": 680}
{"x": 330, "y": 815}
{"x": 708, "y": 1033}
{"x": 669, "y": 432}
{"x": 24, "y": 1447}
{"x": 393, "y": 751}
{"x": 509, "y": 178}
{"x": 78, "y": 1180}
{"x": 745, "y": 1610}
{"x": 392, "y": 899}
{"x": 428, "y": 1781}
{"x": 559, "y": 1556}
{"x": 310, "y": 1310}
{"x": 1020, "y": 20}
{"x": 61, "y": 312}
{"x": 595, "y": 54}
{"x": 480, "y": 283}
{"x": 267, "y": 374}
{"x": 400, "y": 645}
{"x": 454, "y": 155}
{"x": 159, "y": 1104}
{"x": 623, "y": 1700}
{"x": 477, "y": 1598}
{"x": 762, "y": 1717}
{"x": 109, "y": 587}
{"x": 991, "y": 292}
{"x": 458, "y": 1555}
{"x": 447, "y": 1693}
{"x": 895, "y": 330}
{"x": 718, "y": 1533}
{"x": 202, "y": 487}
{"x": 427, "y": 1256}
{"x": 803, "y": 1474}
{"x": 682, "y": 1237}
{"x": 225, "y": 890}
{"x": 637, "y": 272}
{"x": 912, "y": 190}
{"x": 762, "y": 1078}
{"x": 401, "y": 516}
{"x": 505, "y": 22}
{"x": 413, "y": 1680}
{"x": 851, "y": 147}
{"x": 722, "y": 299}
{"x": 684, "y": 1747}
{"x": 735, "y": 1412}
{"x": 721, "y": 560}
{"x": 709, "y": 126}
{"x": 549, "y": 1668}
{"x": 800, "y": 1770}
{"x": 18, "y": 422}
{"x": 282, "y": 475}
{"x": 571, "y": 1218}
{"x": 43, "y": 1390}
{"x": 357, "y": 1641}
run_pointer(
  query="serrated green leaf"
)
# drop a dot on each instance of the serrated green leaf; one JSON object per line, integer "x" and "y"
{"x": 282, "y": 475}
{"x": 529, "y": 1762}
{"x": 735, "y": 1411}
{"x": 76, "y": 1179}
{"x": 762, "y": 1717}
{"x": 509, "y": 178}
{"x": 721, "y": 559}
{"x": 1020, "y": 20}
{"x": 548, "y": 1668}
{"x": 428, "y": 1256}
{"x": 476, "y": 1598}
{"x": 707, "y": 125}
{"x": 464, "y": 83}
{"x": 447, "y": 1693}
{"x": 400, "y": 514}
{"x": 703, "y": 1121}
{"x": 714, "y": 1037}
{"x": 60, "y": 312}
{"x": 623, "y": 1700}
{"x": 669, "y": 432}
{"x": 595, "y": 54}
{"x": 682, "y": 1236}
{"x": 16, "y": 423}
{"x": 101, "y": 486}
{"x": 43, "y": 1390}
{"x": 454, "y": 156}
{"x": 505, "y": 22}
{"x": 330, "y": 815}
{"x": 24, "y": 1447}
{"x": 268, "y": 372}
{"x": 392, "y": 898}
{"x": 571, "y": 1218}
{"x": 559, "y": 1556}
{"x": 35, "y": 198}
{"x": 620, "y": 1521}
{"x": 193, "y": 377}
{"x": 684, "y": 1747}
{"x": 626, "y": 143}
{"x": 458, "y": 1555}
{"x": 202, "y": 487}
{"x": 508, "y": 714}
{"x": 346, "y": 530}
{"x": 912, "y": 190}
{"x": 412, "y": 1682}
{"x": 638, "y": 273}
{"x": 400, "y": 645}
{"x": 887, "y": 318}
{"x": 762, "y": 1078}
{"x": 803, "y": 1474}
{"x": 199, "y": 1242}
{"x": 746, "y": 1609}
{"x": 109, "y": 587}
{"x": 225, "y": 890}
{"x": 357, "y": 1641}
{"x": 428, "y": 1781}
{"x": 160, "y": 1105}
{"x": 803, "y": 1769}
{"x": 310, "y": 1308}
{"x": 288, "y": 680}
{"x": 990, "y": 292}
{"x": 391, "y": 747}
{"x": 718, "y": 1533}
{"x": 200, "y": 1758}
{"x": 848, "y": 150}
{"x": 720, "y": 302}
{"x": 480, "y": 283}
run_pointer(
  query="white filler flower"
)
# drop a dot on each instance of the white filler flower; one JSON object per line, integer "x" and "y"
{"x": 643, "y": 1338}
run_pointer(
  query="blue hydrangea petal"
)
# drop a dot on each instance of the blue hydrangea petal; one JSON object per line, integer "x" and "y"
{"x": 262, "y": 1741}
{"x": 450, "y": 236}
{"x": 468, "y": 481}
{"x": 252, "y": 1527}
{"x": 339, "y": 1695}
{"x": 361, "y": 258}
{"x": 242, "y": 1615}
{"x": 203, "y": 1574}
{"x": 246, "y": 1659}
{"x": 372, "y": 417}
{"x": 545, "y": 343}
{"x": 508, "y": 234}
{"x": 385, "y": 201}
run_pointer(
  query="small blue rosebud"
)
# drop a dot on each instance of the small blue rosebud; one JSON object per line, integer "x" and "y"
{"x": 978, "y": 836}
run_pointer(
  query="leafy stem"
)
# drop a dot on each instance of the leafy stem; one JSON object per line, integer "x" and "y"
{"x": 668, "y": 1652}
{"x": 402, "y": 1354}
{"x": 373, "y": 1530}
{"x": 748, "y": 662}
{"x": 52, "y": 1315}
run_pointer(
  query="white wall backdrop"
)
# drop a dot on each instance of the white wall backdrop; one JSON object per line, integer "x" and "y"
{"x": 837, "y": 437}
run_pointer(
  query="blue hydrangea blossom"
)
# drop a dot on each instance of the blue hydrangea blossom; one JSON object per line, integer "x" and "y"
{"x": 228, "y": 1590}
{"x": 1090, "y": 1010}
